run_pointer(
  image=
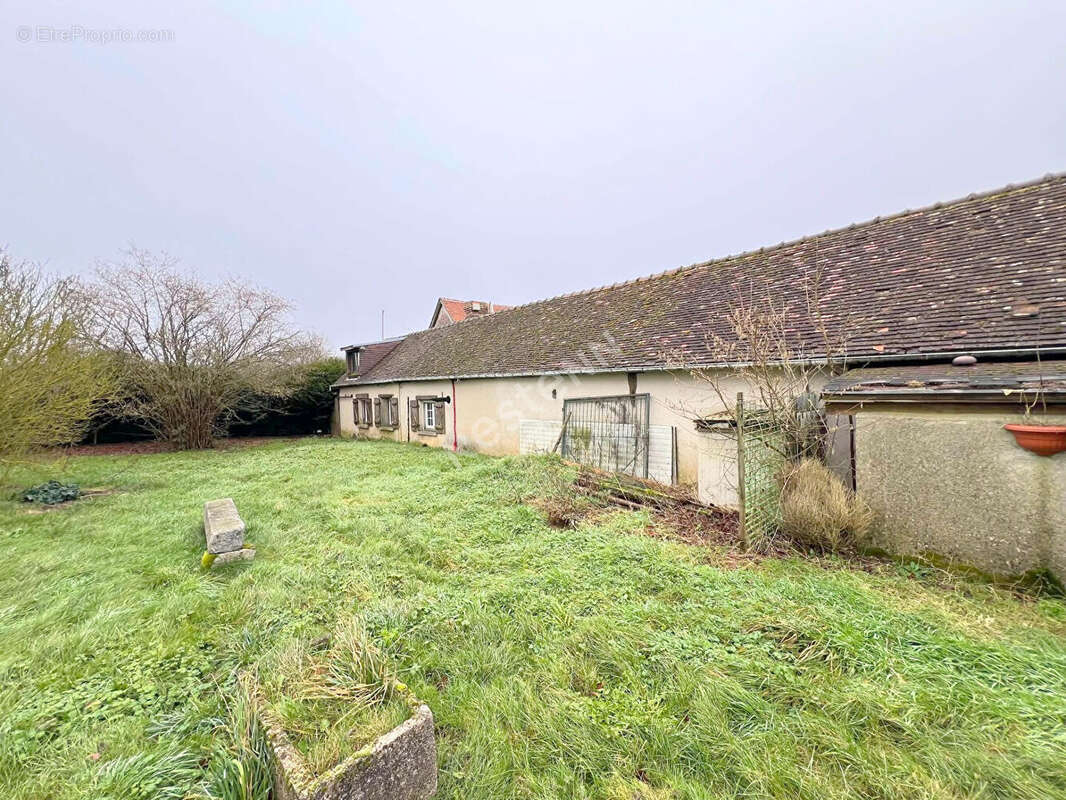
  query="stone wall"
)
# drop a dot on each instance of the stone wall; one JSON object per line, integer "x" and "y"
{"x": 949, "y": 481}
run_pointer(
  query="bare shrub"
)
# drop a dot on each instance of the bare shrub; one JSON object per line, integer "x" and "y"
{"x": 778, "y": 348}
{"x": 780, "y": 352}
{"x": 818, "y": 510}
{"x": 51, "y": 381}
{"x": 191, "y": 352}
{"x": 565, "y": 504}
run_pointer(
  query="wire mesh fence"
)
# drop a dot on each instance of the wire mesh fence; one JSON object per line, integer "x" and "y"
{"x": 760, "y": 462}
{"x": 609, "y": 433}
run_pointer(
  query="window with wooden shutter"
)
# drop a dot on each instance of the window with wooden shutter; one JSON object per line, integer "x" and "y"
{"x": 413, "y": 411}
{"x": 386, "y": 411}
{"x": 364, "y": 415}
{"x": 438, "y": 409}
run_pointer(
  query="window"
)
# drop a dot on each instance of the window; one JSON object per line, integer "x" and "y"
{"x": 387, "y": 408}
{"x": 427, "y": 415}
{"x": 363, "y": 413}
{"x": 352, "y": 358}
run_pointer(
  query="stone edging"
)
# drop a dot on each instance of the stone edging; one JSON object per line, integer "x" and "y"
{"x": 398, "y": 765}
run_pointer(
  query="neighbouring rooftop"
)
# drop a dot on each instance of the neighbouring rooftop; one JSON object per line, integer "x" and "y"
{"x": 449, "y": 311}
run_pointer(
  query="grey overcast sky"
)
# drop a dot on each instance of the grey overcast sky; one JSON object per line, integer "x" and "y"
{"x": 363, "y": 156}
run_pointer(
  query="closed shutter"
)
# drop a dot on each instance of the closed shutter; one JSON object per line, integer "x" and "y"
{"x": 438, "y": 414}
{"x": 414, "y": 415}
{"x": 377, "y": 411}
{"x": 355, "y": 410}
{"x": 394, "y": 411}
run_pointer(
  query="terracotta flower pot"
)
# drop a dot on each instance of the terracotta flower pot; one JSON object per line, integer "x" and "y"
{"x": 1044, "y": 440}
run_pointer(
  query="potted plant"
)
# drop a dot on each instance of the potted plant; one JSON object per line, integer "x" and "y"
{"x": 1035, "y": 434}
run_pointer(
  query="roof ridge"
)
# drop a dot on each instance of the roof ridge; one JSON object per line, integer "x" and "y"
{"x": 1008, "y": 189}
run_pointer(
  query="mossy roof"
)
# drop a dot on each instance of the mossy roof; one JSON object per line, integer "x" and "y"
{"x": 983, "y": 274}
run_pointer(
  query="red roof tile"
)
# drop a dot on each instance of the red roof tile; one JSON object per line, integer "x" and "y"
{"x": 459, "y": 310}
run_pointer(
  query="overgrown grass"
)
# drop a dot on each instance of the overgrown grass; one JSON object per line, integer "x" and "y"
{"x": 587, "y": 663}
{"x": 333, "y": 698}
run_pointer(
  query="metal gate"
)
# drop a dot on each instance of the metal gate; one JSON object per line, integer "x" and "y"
{"x": 609, "y": 433}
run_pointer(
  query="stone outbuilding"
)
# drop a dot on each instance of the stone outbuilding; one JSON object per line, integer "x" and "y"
{"x": 617, "y": 376}
{"x": 946, "y": 479}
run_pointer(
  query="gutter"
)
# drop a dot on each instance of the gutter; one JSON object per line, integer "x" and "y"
{"x": 939, "y": 396}
{"x": 896, "y": 358}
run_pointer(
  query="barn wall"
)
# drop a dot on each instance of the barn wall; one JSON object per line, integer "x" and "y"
{"x": 950, "y": 481}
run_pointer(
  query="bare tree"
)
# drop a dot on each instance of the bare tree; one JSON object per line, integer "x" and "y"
{"x": 51, "y": 382}
{"x": 189, "y": 350}
{"x": 782, "y": 346}
{"x": 782, "y": 352}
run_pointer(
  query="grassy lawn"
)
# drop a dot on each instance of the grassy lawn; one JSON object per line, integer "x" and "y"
{"x": 596, "y": 662}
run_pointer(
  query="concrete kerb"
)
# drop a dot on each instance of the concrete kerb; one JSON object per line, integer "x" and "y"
{"x": 398, "y": 765}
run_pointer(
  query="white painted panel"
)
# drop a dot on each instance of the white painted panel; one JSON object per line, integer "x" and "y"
{"x": 661, "y": 453}
{"x": 718, "y": 470}
{"x": 537, "y": 435}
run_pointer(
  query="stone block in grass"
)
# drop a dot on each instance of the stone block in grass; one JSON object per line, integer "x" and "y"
{"x": 213, "y": 560}
{"x": 223, "y": 526}
{"x": 399, "y": 765}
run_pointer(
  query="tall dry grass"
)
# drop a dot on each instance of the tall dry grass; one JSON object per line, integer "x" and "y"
{"x": 819, "y": 511}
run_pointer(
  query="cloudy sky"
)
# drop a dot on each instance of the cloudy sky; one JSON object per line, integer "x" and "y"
{"x": 362, "y": 156}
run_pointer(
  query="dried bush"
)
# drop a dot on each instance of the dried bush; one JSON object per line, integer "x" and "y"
{"x": 564, "y": 503}
{"x": 818, "y": 510}
{"x": 192, "y": 353}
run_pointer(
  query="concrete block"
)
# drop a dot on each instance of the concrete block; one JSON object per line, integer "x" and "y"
{"x": 245, "y": 554}
{"x": 223, "y": 526}
{"x": 399, "y": 765}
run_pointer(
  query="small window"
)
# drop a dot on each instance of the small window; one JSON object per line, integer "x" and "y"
{"x": 387, "y": 411}
{"x": 429, "y": 416}
{"x": 352, "y": 357}
{"x": 364, "y": 415}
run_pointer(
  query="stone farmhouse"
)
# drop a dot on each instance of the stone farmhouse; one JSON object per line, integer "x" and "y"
{"x": 983, "y": 277}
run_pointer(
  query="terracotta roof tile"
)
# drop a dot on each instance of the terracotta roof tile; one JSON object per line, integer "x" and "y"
{"x": 459, "y": 310}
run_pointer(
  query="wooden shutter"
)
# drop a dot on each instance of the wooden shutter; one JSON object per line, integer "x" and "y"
{"x": 355, "y": 411}
{"x": 438, "y": 415}
{"x": 377, "y": 411}
{"x": 414, "y": 415}
{"x": 394, "y": 411}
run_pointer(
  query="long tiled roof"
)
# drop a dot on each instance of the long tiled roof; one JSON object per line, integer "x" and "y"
{"x": 984, "y": 273}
